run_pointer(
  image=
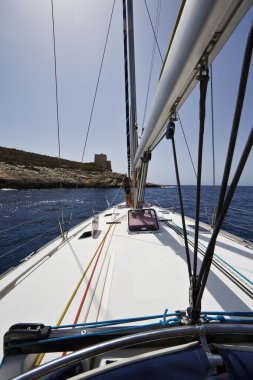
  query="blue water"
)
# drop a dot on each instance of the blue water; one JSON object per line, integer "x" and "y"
{"x": 33, "y": 215}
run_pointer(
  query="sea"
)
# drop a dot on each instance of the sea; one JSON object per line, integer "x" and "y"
{"x": 31, "y": 218}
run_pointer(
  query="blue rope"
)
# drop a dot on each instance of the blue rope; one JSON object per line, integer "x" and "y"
{"x": 232, "y": 313}
{"x": 224, "y": 261}
{"x": 172, "y": 322}
{"x": 229, "y": 265}
{"x": 167, "y": 322}
{"x": 220, "y": 316}
{"x": 116, "y": 321}
{"x": 235, "y": 270}
{"x": 222, "y": 319}
{"x": 164, "y": 322}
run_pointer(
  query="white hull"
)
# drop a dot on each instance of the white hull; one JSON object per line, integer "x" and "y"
{"x": 117, "y": 274}
{"x": 137, "y": 274}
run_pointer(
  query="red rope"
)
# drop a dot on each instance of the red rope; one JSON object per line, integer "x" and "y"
{"x": 88, "y": 285}
{"x": 86, "y": 289}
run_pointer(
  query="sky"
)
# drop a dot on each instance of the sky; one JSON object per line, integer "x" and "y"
{"x": 27, "y": 87}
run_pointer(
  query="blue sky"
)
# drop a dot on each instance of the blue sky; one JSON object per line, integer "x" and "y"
{"x": 27, "y": 92}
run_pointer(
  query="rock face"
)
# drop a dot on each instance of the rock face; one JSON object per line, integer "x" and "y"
{"x": 34, "y": 177}
{"x": 25, "y": 170}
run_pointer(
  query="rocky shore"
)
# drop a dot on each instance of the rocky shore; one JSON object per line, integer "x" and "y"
{"x": 37, "y": 177}
{"x": 25, "y": 170}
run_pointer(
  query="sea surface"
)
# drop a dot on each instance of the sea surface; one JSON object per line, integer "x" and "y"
{"x": 30, "y": 218}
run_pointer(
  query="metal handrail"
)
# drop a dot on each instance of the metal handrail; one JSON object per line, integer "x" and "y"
{"x": 182, "y": 333}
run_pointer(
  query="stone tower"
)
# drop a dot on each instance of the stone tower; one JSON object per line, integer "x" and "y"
{"x": 101, "y": 161}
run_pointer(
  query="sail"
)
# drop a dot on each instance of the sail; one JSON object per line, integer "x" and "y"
{"x": 203, "y": 29}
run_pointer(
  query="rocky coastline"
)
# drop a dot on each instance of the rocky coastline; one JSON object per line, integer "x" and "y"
{"x": 24, "y": 170}
{"x": 37, "y": 177}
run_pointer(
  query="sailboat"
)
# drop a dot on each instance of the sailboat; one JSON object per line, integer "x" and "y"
{"x": 139, "y": 291}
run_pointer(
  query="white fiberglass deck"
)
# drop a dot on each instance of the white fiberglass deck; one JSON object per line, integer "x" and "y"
{"x": 131, "y": 274}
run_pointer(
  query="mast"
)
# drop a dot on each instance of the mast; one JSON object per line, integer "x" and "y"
{"x": 130, "y": 97}
{"x": 130, "y": 82}
{"x": 126, "y": 87}
{"x": 133, "y": 110}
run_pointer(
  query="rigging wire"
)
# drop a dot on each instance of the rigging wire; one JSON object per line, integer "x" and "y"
{"x": 180, "y": 12}
{"x": 153, "y": 31}
{"x": 193, "y": 166}
{"x": 115, "y": 197}
{"x": 57, "y": 106}
{"x": 213, "y": 152}
{"x": 99, "y": 75}
{"x": 237, "y": 225}
{"x": 27, "y": 222}
{"x": 186, "y": 142}
{"x": 225, "y": 199}
{"x": 27, "y": 242}
{"x": 170, "y": 136}
{"x": 203, "y": 78}
{"x": 56, "y": 90}
{"x": 93, "y": 103}
{"x": 207, "y": 261}
{"x": 239, "y": 209}
{"x": 158, "y": 12}
{"x": 236, "y": 119}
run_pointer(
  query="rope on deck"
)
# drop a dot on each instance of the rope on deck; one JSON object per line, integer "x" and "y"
{"x": 203, "y": 247}
{"x": 41, "y": 356}
{"x": 88, "y": 286}
{"x": 99, "y": 248}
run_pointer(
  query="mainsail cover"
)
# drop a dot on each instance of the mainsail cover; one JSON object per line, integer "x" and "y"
{"x": 203, "y": 29}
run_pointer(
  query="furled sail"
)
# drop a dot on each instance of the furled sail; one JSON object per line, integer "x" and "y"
{"x": 203, "y": 29}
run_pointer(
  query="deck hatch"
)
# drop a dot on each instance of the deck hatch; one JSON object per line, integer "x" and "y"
{"x": 143, "y": 220}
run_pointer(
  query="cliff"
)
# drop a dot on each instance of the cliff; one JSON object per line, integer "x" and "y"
{"x": 23, "y": 170}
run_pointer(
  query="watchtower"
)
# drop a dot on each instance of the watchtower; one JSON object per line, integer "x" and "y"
{"x": 101, "y": 161}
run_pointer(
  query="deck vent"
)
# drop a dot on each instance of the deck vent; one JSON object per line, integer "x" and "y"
{"x": 143, "y": 220}
{"x": 85, "y": 235}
